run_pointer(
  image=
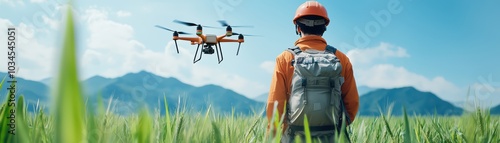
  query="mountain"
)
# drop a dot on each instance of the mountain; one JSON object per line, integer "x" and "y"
{"x": 32, "y": 91}
{"x": 134, "y": 89}
{"x": 46, "y": 81}
{"x": 416, "y": 102}
{"x": 95, "y": 84}
{"x": 362, "y": 90}
{"x": 261, "y": 98}
{"x": 495, "y": 110}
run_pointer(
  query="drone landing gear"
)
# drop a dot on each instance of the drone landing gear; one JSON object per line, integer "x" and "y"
{"x": 219, "y": 50}
{"x": 208, "y": 49}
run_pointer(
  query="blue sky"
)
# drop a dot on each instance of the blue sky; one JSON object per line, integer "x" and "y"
{"x": 443, "y": 47}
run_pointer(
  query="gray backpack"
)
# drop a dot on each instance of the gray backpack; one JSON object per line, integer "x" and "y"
{"x": 315, "y": 92}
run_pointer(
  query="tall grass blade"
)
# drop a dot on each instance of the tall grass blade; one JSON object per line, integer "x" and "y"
{"x": 407, "y": 138}
{"x": 179, "y": 128}
{"x": 69, "y": 112}
{"x": 22, "y": 135}
{"x": 386, "y": 123}
{"x": 7, "y": 117}
{"x": 252, "y": 129}
{"x": 144, "y": 127}
{"x": 216, "y": 133}
{"x": 306, "y": 130}
{"x": 343, "y": 130}
{"x": 168, "y": 126}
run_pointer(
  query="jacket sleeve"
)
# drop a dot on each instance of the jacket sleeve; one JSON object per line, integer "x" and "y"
{"x": 278, "y": 91}
{"x": 350, "y": 91}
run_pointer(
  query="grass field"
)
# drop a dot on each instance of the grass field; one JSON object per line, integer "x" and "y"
{"x": 70, "y": 122}
{"x": 184, "y": 126}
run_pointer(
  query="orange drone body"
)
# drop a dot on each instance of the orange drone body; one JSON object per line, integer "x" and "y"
{"x": 201, "y": 38}
{"x": 207, "y": 41}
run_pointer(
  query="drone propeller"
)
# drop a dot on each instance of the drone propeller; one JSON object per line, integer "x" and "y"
{"x": 234, "y": 33}
{"x": 179, "y": 32}
{"x": 176, "y": 33}
{"x": 225, "y": 24}
{"x": 191, "y": 24}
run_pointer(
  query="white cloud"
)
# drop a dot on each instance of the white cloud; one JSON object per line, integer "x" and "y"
{"x": 268, "y": 66}
{"x": 381, "y": 52}
{"x": 123, "y": 13}
{"x": 12, "y": 3}
{"x": 5, "y": 23}
{"x": 112, "y": 51}
{"x": 372, "y": 69}
{"x": 110, "y": 46}
{"x": 34, "y": 58}
{"x": 37, "y": 1}
{"x": 52, "y": 23}
{"x": 485, "y": 91}
{"x": 390, "y": 76}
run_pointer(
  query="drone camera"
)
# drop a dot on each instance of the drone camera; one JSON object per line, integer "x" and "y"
{"x": 208, "y": 50}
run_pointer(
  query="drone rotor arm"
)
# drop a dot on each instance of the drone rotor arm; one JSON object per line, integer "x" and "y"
{"x": 191, "y": 39}
{"x": 229, "y": 40}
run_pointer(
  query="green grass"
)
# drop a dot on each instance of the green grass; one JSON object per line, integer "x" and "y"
{"x": 71, "y": 122}
{"x": 184, "y": 126}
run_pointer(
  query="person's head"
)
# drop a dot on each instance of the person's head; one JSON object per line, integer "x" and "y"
{"x": 311, "y": 18}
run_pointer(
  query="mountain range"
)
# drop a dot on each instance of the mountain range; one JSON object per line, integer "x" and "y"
{"x": 261, "y": 98}
{"x": 132, "y": 90}
{"x": 33, "y": 91}
{"x": 415, "y": 102}
{"x": 495, "y": 110}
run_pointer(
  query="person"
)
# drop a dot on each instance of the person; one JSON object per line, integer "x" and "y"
{"x": 311, "y": 20}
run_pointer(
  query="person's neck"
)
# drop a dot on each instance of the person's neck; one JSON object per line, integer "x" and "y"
{"x": 308, "y": 35}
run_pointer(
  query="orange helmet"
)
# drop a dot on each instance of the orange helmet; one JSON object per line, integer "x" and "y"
{"x": 311, "y": 8}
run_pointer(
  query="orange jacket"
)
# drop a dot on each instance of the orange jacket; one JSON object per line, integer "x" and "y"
{"x": 282, "y": 78}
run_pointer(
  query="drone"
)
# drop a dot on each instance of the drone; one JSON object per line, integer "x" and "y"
{"x": 207, "y": 41}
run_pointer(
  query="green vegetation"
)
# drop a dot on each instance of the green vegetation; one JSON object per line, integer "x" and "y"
{"x": 184, "y": 126}
{"x": 70, "y": 122}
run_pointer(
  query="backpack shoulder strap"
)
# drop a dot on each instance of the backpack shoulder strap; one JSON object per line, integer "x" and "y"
{"x": 330, "y": 49}
{"x": 295, "y": 50}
